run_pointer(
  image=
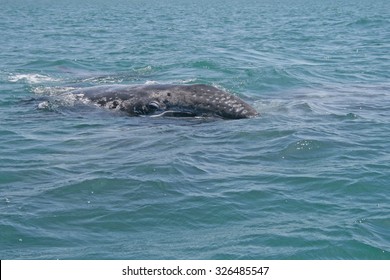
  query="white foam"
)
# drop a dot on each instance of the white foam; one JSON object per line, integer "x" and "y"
{"x": 43, "y": 105}
{"x": 31, "y": 78}
{"x": 151, "y": 83}
{"x": 187, "y": 81}
{"x": 51, "y": 90}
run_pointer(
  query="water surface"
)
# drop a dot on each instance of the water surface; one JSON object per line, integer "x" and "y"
{"x": 307, "y": 179}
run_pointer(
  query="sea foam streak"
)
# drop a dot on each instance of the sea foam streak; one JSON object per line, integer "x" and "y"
{"x": 31, "y": 78}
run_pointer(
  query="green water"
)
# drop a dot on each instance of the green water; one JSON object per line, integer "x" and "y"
{"x": 307, "y": 179}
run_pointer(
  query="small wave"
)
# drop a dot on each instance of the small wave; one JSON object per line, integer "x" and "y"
{"x": 151, "y": 82}
{"x": 369, "y": 21}
{"x": 145, "y": 69}
{"x": 184, "y": 81}
{"x": 305, "y": 149}
{"x": 51, "y": 91}
{"x": 103, "y": 79}
{"x": 180, "y": 81}
{"x": 31, "y": 78}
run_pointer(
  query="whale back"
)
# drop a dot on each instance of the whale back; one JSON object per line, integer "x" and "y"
{"x": 169, "y": 100}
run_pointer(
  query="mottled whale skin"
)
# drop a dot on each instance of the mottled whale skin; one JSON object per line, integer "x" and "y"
{"x": 168, "y": 100}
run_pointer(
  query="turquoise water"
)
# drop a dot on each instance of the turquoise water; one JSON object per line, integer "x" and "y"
{"x": 307, "y": 179}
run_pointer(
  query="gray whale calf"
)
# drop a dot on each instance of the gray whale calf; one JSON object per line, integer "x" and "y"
{"x": 168, "y": 100}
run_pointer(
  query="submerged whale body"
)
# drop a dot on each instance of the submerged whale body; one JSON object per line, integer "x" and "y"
{"x": 168, "y": 100}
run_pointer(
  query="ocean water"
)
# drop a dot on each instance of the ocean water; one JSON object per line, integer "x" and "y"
{"x": 307, "y": 179}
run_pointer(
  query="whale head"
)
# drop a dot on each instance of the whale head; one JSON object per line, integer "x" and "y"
{"x": 193, "y": 100}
